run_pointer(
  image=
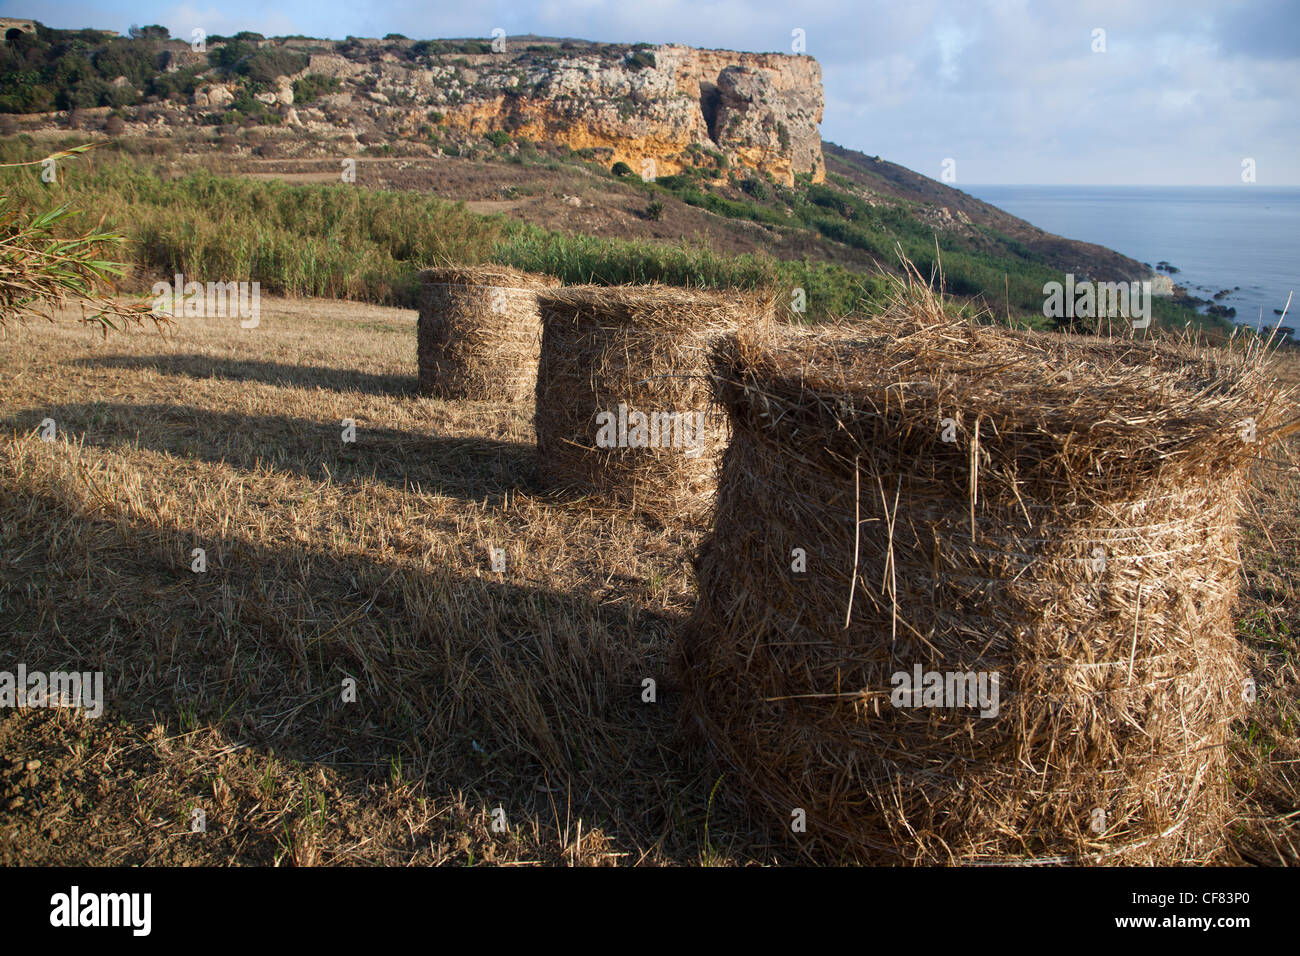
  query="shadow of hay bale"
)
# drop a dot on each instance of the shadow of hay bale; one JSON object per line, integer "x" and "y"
{"x": 470, "y": 468}
{"x": 201, "y": 366}
{"x": 485, "y": 688}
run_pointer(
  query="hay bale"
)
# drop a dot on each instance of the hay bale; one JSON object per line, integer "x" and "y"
{"x": 1077, "y": 538}
{"x": 627, "y": 366}
{"x": 479, "y": 333}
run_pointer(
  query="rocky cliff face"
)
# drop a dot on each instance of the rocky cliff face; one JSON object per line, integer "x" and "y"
{"x": 658, "y": 109}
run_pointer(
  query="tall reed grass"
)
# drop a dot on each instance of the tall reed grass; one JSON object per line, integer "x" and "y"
{"x": 348, "y": 242}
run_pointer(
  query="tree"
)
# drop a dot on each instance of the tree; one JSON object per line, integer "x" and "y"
{"x": 152, "y": 32}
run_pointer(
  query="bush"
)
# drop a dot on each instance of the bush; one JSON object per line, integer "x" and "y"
{"x": 756, "y": 188}
{"x": 312, "y": 86}
{"x": 152, "y": 32}
{"x": 640, "y": 60}
{"x": 674, "y": 182}
{"x": 115, "y": 126}
{"x": 117, "y": 96}
{"x": 655, "y": 211}
{"x": 265, "y": 65}
{"x": 621, "y": 169}
{"x": 229, "y": 55}
{"x": 498, "y": 138}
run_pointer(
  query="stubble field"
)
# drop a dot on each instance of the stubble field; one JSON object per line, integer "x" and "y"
{"x": 482, "y": 697}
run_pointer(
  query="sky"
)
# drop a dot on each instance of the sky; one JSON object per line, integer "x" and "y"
{"x": 1143, "y": 92}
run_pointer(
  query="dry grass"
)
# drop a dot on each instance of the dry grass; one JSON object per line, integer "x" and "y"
{"x": 521, "y": 690}
{"x": 1265, "y": 755}
{"x": 327, "y": 560}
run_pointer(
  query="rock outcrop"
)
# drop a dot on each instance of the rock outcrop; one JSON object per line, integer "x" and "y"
{"x": 658, "y": 109}
{"x": 661, "y": 110}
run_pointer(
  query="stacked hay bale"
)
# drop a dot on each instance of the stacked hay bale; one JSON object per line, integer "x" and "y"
{"x": 1037, "y": 535}
{"x": 624, "y": 410}
{"x": 479, "y": 333}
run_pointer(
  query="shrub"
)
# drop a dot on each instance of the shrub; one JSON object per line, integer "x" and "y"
{"x": 621, "y": 169}
{"x": 229, "y": 55}
{"x": 312, "y": 86}
{"x": 655, "y": 211}
{"x": 265, "y": 65}
{"x": 152, "y": 32}
{"x": 498, "y": 138}
{"x": 640, "y": 60}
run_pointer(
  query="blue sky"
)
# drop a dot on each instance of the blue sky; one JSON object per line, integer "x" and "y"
{"x": 1011, "y": 90}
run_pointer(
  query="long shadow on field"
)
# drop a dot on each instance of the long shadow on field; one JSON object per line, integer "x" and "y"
{"x": 272, "y": 373}
{"x": 512, "y": 695}
{"x": 471, "y": 468}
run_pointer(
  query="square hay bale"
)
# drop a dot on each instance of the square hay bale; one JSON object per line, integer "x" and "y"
{"x": 624, "y": 410}
{"x": 968, "y": 596}
{"x": 479, "y": 333}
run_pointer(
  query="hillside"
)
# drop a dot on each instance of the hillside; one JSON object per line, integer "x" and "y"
{"x": 1084, "y": 259}
{"x": 661, "y": 144}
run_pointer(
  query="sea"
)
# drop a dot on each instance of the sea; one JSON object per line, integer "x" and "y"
{"x": 1245, "y": 238}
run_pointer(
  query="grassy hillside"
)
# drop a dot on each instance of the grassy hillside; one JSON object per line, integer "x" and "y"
{"x": 350, "y": 242}
{"x": 834, "y": 240}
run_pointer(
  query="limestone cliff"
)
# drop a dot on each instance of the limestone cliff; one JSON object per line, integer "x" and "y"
{"x": 659, "y": 109}
{"x": 673, "y": 105}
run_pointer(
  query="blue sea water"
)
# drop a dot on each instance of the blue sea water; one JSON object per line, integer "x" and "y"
{"x": 1219, "y": 237}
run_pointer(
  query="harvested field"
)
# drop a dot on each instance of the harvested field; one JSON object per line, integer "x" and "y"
{"x": 475, "y": 689}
